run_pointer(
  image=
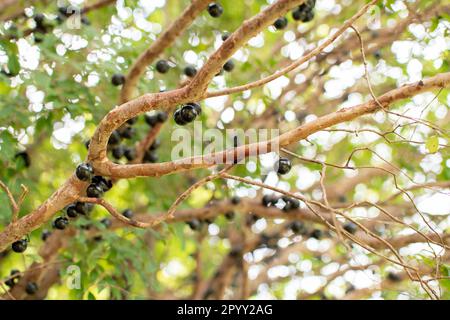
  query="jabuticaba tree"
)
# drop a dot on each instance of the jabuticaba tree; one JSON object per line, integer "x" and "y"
{"x": 350, "y": 200}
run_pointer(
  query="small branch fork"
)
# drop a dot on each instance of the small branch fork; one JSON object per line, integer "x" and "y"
{"x": 15, "y": 206}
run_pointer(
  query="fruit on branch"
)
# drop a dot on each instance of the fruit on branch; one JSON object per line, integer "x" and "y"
{"x": 298, "y": 227}
{"x": 377, "y": 54}
{"x": 394, "y": 277}
{"x": 114, "y": 138}
{"x": 19, "y": 246}
{"x": 103, "y": 183}
{"x": 154, "y": 119}
{"x": 342, "y": 199}
{"x": 106, "y": 222}
{"x": 316, "y": 234}
{"x": 187, "y": 113}
{"x": 130, "y": 153}
{"x": 269, "y": 200}
{"x": 162, "y": 66}
{"x": 150, "y": 156}
{"x": 215, "y": 10}
{"x": 71, "y": 211}
{"x": 235, "y": 200}
{"x": 31, "y": 288}
{"x": 155, "y": 145}
{"x": 350, "y": 227}
{"x": 128, "y": 213}
{"x": 118, "y": 152}
{"x": 225, "y": 36}
{"x": 190, "y": 71}
{"x": 84, "y": 172}
{"x": 229, "y": 215}
{"x": 280, "y": 23}
{"x": 60, "y": 223}
{"x": 118, "y": 79}
{"x": 128, "y": 132}
{"x": 45, "y": 234}
{"x": 39, "y": 18}
{"x": 14, "y": 277}
{"x": 94, "y": 191}
{"x": 228, "y": 66}
{"x": 194, "y": 224}
{"x": 304, "y": 12}
{"x": 290, "y": 203}
{"x": 25, "y": 158}
{"x": 132, "y": 121}
{"x": 284, "y": 166}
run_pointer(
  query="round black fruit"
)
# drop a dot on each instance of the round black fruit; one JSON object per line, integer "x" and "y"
{"x": 130, "y": 154}
{"x": 190, "y": 71}
{"x": 94, "y": 191}
{"x": 71, "y": 211}
{"x": 215, "y": 10}
{"x": 194, "y": 224}
{"x": 308, "y": 16}
{"x": 114, "y": 138}
{"x": 128, "y": 132}
{"x": 225, "y": 36}
{"x": 162, "y": 66}
{"x": 128, "y": 213}
{"x": 316, "y": 234}
{"x": 84, "y": 172}
{"x": 284, "y": 166}
{"x": 228, "y": 66}
{"x": 196, "y": 106}
{"x": 45, "y": 234}
{"x": 188, "y": 113}
{"x": 106, "y": 222}
{"x": 82, "y": 208}
{"x": 39, "y": 18}
{"x": 103, "y": 183}
{"x": 31, "y": 288}
{"x": 118, "y": 152}
{"x": 178, "y": 118}
{"x": 350, "y": 227}
{"x": 229, "y": 215}
{"x": 150, "y": 157}
{"x": 118, "y": 79}
{"x": 235, "y": 200}
{"x": 60, "y": 223}
{"x": 297, "y": 227}
{"x": 19, "y": 246}
{"x": 280, "y": 23}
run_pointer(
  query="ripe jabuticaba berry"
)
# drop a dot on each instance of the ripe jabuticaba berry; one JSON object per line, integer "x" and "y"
{"x": 60, "y": 223}
{"x": 290, "y": 203}
{"x": 39, "y": 18}
{"x": 128, "y": 213}
{"x": 350, "y": 227}
{"x": 178, "y": 118}
{"x": 236, "y": 251}
{"x": 194, "y": 224}
{"x": 118, "y": 79}
{"x": 196, "y": 106}
{"x": 45, "y": 234}
{"x": 132, "y": 121}
{"x": 229, "y": 215}
{"x": 71, "y": 211}
{"x": 297, "y": 227}
{"x": 84, "y": 172}
{"x": 316, "y": 234}
{"x": 151, "y": 120}
{"x": 269, "y": 199}
{"x": 228, "y": 66}
{"x": 188, "y": 113}
{"x": 307, "y": 16}
{"x": 106, "y": 222}
{"x": 162, "y": 66}
{"x": 215, "y": 10}
{"x": 130, "y": 154}
{"x": 118, "y": 152}
{"x": 161, "y": 116}
{"x": 225, "y": 36}
{"x": 342, "y": 199}
{"x": 155, "y": 145}
{"x": 377, "y": 54}
{"x": 190, "y": 71}
{"x": 394, "y": 277}
{"x": 94, "y": 191}
{"x": 31, "y": 288}
{"x": 19, "y": 246}
{"x": 128, "y": 132}
{"x": 284, "y": 166}
{"x": 82, "y": 207}
{"x": 25, "y": 158}
{"x": 150, "y": 157}
{"x": 235, "y": 200}
{"x": 280, "y": 23}
{"x": 114, "y": 138}
{"x": 85, "y": 21}
{"x": 14, "y": 277}
{"x": 103, "y": 183}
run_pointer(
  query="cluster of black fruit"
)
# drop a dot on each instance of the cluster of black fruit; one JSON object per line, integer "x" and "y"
{"x": 269, "y": 200}
{"x": 197, "y": 224}
{"x": 305, "y": 12}
{"x": 187, "y": 113}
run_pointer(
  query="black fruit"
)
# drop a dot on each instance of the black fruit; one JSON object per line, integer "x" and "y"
{"x": 128, "y": 213}
{"x": 350, "y": 227}
{"x": 188, "y": 113}
{"x": 155, "y": 145}
{"x": 229, "y": 215}
{"x": 284, "y": 166}
{"x": 118, "y": 79}
{"x": 130, "y": 154}
{"x": 25, "y": 158}
{"x": 150, "y": 157}
{"x": 128, "y": 132}
{"x": 151, "y": 120}
{"x": 235, "y": 200}
{"x": 190, "y": 71}
{"x": 269, "y": 199}
{"x": 106, "y": 222}
{"x": 39, "y": 18}
{"x": 45, "y": 234}
{"x": 225, "y": 36}
{"x": 31, "y": 288}
{"x": 71, "y": 211}
{"x": 114, "y": 138}
{"x": 297, "y": 227}
{"x": 316, "y": 234}
{"x": 291, "y": 204}
{"x": 19, "y": 246}
{"x": 178, "y": 118}
{"x": 308, "y": 16}
{"x": 342, "y": 199}
{"x": 162, "y": 66}
{"x": 228, "y": 66}
{"x": 94, "y": 191}
{"x": 215, "y": 10}
{"x": 84, "y": 172}
{"x": 14, "y": 277}
{"x": 60, "y": 223}
{"x": 132, "y": 121}
{"x": 103, "y": 183}
{"x": 196, "y": 106}
{"x": 194, "y": 224}
{"x": 83, "y": 208}
{"x": 394, "y": 277}
{"x": 85, "y": 21}
{"x": 280, "y": 23}
{"x": 161, "y": 116}
{"x": 377, "y": 54}
{"x": 118, "y": 152}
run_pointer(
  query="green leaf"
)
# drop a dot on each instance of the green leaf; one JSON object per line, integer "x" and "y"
{"x": 432, "y": 144}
